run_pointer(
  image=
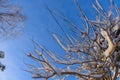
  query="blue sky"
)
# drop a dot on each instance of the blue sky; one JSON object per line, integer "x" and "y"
{"x": 38, "y": 22}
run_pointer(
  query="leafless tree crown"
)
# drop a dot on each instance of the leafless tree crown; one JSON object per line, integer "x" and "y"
{"x": 94, "y": 55}
{"x": 11, "y": 19}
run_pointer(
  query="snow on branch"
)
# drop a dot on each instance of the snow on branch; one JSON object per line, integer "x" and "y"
{"x": 92, "y": 54}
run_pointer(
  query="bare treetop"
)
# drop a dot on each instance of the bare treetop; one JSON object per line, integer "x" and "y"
{"x": 11, "y": 19}
{"x": 93, "y": 55}
{"x": 11, "y": 22}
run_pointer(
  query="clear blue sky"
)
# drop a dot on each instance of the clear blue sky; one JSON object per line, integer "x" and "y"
{"x": 38, "y": 21}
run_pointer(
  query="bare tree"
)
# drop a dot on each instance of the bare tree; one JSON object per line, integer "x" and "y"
{"x": 11, "y": 22}
{"x": 11, "y": 19}
{"x": 93, "y": 55}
